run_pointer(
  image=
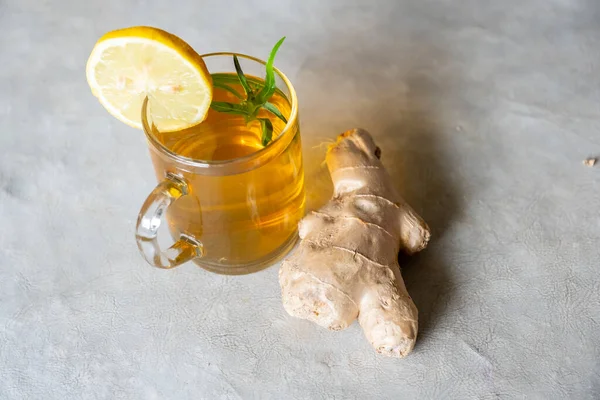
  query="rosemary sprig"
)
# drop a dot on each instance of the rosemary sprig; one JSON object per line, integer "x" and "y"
{"x": 254, "y": 98}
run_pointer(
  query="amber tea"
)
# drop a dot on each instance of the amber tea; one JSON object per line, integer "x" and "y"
{"x": 240, "y": 217}
{"x": 222, "y": 130}
{"x": 228, "y": 194}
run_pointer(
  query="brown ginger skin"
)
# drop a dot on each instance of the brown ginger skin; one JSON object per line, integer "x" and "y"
{"x": 346, "y": 265}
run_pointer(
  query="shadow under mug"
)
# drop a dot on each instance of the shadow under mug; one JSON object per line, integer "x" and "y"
{"x": 233, "y": 216}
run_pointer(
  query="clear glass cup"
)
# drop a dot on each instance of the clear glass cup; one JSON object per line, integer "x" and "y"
{"x": 231, "y": 216}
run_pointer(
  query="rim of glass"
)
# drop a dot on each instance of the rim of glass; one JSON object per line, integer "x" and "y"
{"x": 235, "y": 161}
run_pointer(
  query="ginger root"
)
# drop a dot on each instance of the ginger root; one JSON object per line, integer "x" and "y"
{"x": 346, "y": 265}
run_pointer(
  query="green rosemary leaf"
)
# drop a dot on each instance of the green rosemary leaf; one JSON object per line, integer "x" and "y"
{"x": 272, "y": 108}
{"x": 241, "y": 76}
{"x": 229, "y": 79}
{"x": 257, "y": 94}
{"x": 269, "y": 87}
{"x": 267, "y": 130}
{"x": 225, "y": 86}
{"x": 229, "y": 108}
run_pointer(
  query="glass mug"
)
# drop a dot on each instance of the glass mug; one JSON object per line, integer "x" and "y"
{"x": 230, "y": 213}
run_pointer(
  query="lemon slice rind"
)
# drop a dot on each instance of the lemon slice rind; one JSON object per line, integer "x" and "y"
{"x": 179, "y": 97}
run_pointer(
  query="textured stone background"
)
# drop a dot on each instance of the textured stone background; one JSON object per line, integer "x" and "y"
{"x": 484, "y": 111}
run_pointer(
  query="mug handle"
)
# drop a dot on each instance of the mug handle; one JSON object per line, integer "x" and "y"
{"x": 151, "y": 217}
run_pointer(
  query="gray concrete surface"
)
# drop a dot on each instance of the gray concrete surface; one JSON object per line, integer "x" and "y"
{"x": 485, "y": 111}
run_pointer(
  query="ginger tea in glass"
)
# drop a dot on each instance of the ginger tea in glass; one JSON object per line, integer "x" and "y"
{"x": 232, "y": 204}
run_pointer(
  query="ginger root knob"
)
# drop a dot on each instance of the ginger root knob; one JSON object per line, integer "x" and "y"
{"x": 346, "y": 265}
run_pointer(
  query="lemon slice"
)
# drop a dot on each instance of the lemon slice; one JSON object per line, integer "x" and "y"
{"x": 129, "y": 64}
